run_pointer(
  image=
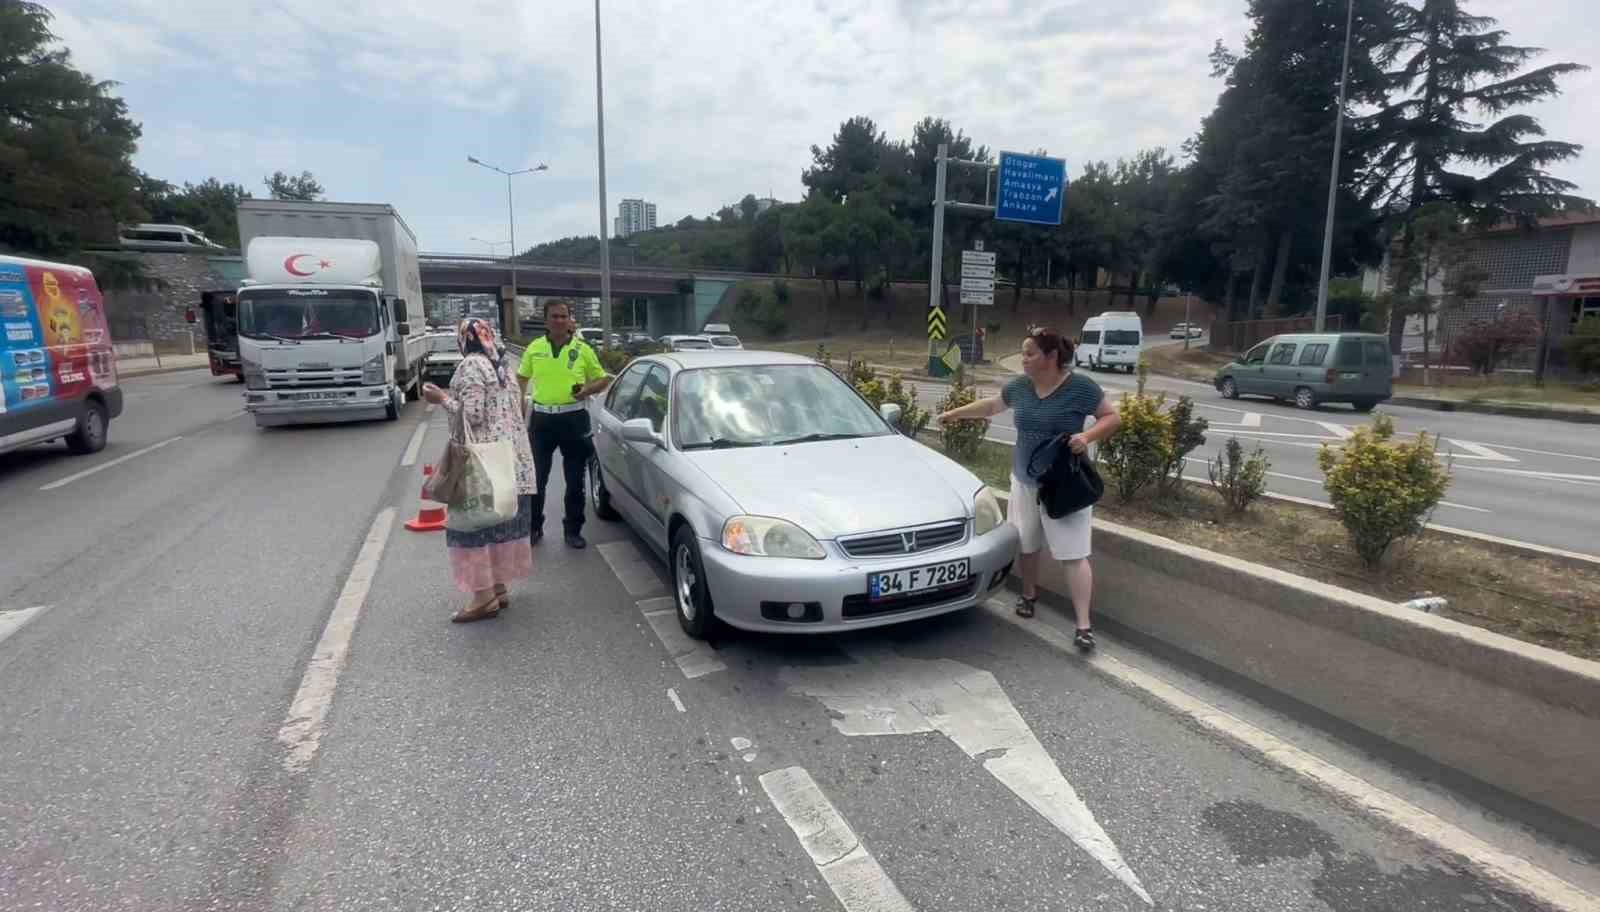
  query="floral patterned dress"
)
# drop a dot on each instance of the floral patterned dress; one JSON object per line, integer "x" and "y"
{"x": 483, "y": 407}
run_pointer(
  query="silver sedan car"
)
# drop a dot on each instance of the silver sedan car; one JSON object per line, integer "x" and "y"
{"x": 782, "y": 502}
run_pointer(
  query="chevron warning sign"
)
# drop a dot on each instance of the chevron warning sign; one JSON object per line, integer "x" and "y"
{"x": 936, "y": 323}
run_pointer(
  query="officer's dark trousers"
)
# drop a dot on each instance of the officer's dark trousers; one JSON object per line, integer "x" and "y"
{"x": 568, "y": 433}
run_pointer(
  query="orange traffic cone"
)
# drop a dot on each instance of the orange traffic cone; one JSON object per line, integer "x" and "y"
{"x": 430, "y": 513}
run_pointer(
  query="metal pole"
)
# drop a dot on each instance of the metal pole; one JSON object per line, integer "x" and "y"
{"x": 938, "y": 246}
{"x": 1186, "y": 297}
{"x": 1333, "y": 178}
{"x": 511, "y": 219}
{"x": 605, "y": 239}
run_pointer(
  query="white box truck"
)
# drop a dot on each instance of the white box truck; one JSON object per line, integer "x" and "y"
{"x": 323, "y": 317}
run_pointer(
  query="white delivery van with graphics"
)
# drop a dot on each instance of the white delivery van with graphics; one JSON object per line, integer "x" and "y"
{"x": 1114, "y": 339}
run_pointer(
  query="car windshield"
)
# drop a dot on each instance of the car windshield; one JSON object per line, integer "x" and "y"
{"x": 1121, "y": 337}
{"x": 763, "y": 405}
{"x": 294, "y": 313}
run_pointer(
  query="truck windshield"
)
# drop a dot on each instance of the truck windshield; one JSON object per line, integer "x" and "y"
{"x": 296, "y": 313}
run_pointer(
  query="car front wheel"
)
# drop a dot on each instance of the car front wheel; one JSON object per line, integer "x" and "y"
{"x": 599, "y": 497}
{"x": 1230, "y": 390}
{"x": 1304, "y": 398}
{"x": 90, "y": 437}
{"x": 689, "y": 589}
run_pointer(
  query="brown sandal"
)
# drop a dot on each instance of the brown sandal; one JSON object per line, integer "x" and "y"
{"x": 477, "y": 612}
{"x": 502, "y": 597}
{"x": 1025, "y": 606}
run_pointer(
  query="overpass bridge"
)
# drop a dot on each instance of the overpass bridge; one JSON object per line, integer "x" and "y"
{"x": 676, "y": 300}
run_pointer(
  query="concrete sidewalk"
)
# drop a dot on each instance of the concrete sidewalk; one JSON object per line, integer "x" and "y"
{"x": 136, "y": 367}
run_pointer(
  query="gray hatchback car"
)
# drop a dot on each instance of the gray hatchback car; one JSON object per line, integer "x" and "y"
{"x": 1309, "y": 369}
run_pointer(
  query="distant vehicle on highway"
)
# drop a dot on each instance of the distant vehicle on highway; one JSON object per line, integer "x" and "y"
{"x": 58, "y": 370}
{"x": 701, "y": 453}
{"x": 441, "y": 357}
{"x": 1114, "y": 339}
{"x": 717, "y": 329}
{"x": 167, "y": 237}
{"x": 1189, "y": 330}
{"x": 219, "y": 315}
{"x": 686, "y": 343}
{"x": 591, "y": 335}
{"x": 726, "y": 342}
{"x": 1309, "y": 369}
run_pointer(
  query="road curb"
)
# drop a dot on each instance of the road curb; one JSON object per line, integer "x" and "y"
{"x": 1487, "y": 408}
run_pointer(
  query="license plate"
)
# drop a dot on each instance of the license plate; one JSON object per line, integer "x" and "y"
{"x": 312, "y": 397}
{"x": 894, "y": 583}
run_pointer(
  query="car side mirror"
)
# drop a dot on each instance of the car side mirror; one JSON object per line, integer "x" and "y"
{"x": 891, "y": 413}
{"x": 400, "y": 310}
{"x": 402, "y": 329}
{"x": 640, "y": 430}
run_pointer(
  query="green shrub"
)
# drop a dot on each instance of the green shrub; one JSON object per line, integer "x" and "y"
{"x": 1239, "y": 479}
{"x": 1583, "y": 346}
{"x": 762, "y": 308}
{"x": 1382, "y": 491}
{"x": 962, "y": 438}
{"x": 860, "y": 372}
{"x": 913, "y": 420}
{"x": 1138, "y": 454}
{"x": 614, "y": 360}
{"x": 1188, "y": 435}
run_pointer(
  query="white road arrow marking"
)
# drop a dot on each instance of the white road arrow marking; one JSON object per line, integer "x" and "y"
{"x": 889, "y": 694}
{"x": 12, "y": 621}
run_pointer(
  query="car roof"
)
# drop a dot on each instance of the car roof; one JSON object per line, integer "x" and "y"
{"x": 687, "y": 360}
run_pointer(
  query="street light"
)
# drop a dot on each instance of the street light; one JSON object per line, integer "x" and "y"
{"x": 600, "y": 137}
{"x": 1333, "y": 179}
{"x": 511, "y": 221}
{"x": 491, "y": 244}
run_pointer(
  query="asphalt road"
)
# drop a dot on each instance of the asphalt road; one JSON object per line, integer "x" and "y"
{"x": 235, "y": 687}
{"x": 1527, "y": 479}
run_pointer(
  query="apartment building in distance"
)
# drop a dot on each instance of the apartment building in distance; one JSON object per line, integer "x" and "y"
{"x": 634, "y": 216}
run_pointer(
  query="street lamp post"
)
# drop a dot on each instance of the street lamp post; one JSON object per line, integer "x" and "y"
{"x": 490, "y": 244}
{"x": 511, "y": 222}
{"x": 1333, "y": 178}
{"x": 600, "y": 136}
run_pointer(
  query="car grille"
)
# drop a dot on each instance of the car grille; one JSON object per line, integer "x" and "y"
{"x": 859, "y": 605}
{"x": 905, "y": 541}
{"x": 289, "y": 378}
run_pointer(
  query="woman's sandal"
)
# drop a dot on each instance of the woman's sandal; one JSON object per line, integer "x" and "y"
{"x": 1025, "y": 606}
{"x": 502, "y": 597}
{"x": 478, "y": 612}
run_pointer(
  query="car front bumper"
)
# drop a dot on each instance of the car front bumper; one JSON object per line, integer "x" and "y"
{"x": 272, "y": 407}
{"x": 740, "y": 585}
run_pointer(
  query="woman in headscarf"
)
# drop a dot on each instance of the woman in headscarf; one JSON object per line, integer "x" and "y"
{"x": 484, "y": 407}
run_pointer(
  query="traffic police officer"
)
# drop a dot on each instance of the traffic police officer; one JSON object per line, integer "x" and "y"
{"x": 563, "y": 372}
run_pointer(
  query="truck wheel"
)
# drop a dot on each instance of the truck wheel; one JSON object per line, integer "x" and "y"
{"x": 392, "y": 411}
{"x": 90, "y": 437}
{"x": 414, "y": 391}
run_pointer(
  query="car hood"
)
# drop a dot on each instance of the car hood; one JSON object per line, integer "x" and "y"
{"x": 836, "y": 488}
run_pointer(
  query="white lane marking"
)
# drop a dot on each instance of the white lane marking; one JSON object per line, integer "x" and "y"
{"x": 415, "y": 446}
{"x": 106, "y": 465}
{"x": 12, "y": 621}
{"x": 857, "y": 880}
{"x": 303, "y": 728}
{"x": 1532, "y": 473}
{"x": 1318, "y": 483}
{"x": 429, "y": 409}
{"x": 1337, "y": 430}
{"x": 631, "y": 568}
{"x": 677, "y": 703}
{"x": 232, "y": 415}
{"x": 743, "y": 746}
{"x": 885, "y": 693}
{"x": 1517, "y": 449}
{"x": 1250, "y": 419}
{"x": 695, "y": 659}
{"x": 1509, "y": 870}
{"x": 1480, "y": 451}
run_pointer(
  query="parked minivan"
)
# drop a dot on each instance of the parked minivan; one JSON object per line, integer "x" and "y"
{"x": 58, "y": 371}
{"x": 1113, "y": 339}
{"x": 1309, "y": 369}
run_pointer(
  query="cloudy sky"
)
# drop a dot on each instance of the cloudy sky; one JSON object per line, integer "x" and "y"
{"x": 706, "y": 100}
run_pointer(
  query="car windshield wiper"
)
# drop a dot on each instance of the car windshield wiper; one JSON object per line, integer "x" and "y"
{"x": 267, "y": 335}
{"x": 328, "y": 335}
{"x": 721, "y": 443}
{"x": 809, "y": 438}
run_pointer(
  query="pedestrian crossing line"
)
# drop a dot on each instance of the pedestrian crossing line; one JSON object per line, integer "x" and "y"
{"x": 1337, "y": 430}
{"x": 1479, "y": 451}
{"x": 1509, "y": 870}
{"x": 853, "y": 874}
{"x": 303, "y": 727}
{"x": 695, "y": 659}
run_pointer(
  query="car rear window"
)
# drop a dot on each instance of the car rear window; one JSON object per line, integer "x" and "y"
{"x": 1122, "y": 337}
{"x": 1349, "y": 353}
{"x": 1314, "y": 355}
{"x": 1378, "y": 354}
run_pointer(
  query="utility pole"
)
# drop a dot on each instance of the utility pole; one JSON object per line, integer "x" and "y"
{"x": 605, "y": 240}
{"x": 1186, "y": 323}
{"x": 938, "y": 248}
{"x": 1333, "y": 178}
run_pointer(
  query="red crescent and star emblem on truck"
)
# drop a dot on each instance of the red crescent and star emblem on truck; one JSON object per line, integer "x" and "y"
{"x": 292, "y": 267}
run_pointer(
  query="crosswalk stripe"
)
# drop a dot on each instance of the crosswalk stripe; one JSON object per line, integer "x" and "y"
{"x": 1337, "y": 430}
{"x": 856, "y": 878}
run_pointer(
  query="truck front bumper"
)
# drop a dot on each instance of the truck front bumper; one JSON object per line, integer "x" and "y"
{"x": 317, "y": 406}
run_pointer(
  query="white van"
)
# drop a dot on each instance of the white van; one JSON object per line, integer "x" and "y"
{"x": 1113, "y": 339}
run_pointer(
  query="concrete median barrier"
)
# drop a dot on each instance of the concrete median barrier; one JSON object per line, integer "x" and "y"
{"x": 1519, "y": 718}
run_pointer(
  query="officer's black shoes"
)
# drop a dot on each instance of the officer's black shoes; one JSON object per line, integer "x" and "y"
{"x": 536, "y": 536}
{"x": 574, "y": 540}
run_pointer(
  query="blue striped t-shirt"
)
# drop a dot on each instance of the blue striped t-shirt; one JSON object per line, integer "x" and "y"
{"x": 1038, "y": 420}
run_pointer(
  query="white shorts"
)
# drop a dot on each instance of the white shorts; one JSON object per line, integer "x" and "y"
{"x": 1068, "y": 537}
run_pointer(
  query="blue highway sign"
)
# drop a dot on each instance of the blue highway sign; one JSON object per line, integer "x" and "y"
{"x": 1032, "y": 188}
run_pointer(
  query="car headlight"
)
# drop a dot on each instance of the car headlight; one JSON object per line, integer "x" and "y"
{"x": 372, "y": 371}
{"x": 254, "y": 377}
{"x": 761, "y": 536}
{"x": 986, "y": 513}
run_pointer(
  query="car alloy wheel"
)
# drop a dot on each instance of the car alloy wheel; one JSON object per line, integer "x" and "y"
{"x": 1230, "y": 390}
{"x": 1304, "y": 399}
{"x": 685, "y": 580}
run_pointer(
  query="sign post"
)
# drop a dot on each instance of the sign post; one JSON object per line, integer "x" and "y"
{"x": 977, "y": 286}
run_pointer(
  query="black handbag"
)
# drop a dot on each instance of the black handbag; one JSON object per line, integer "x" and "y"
{"x": 1069, "y": 483}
